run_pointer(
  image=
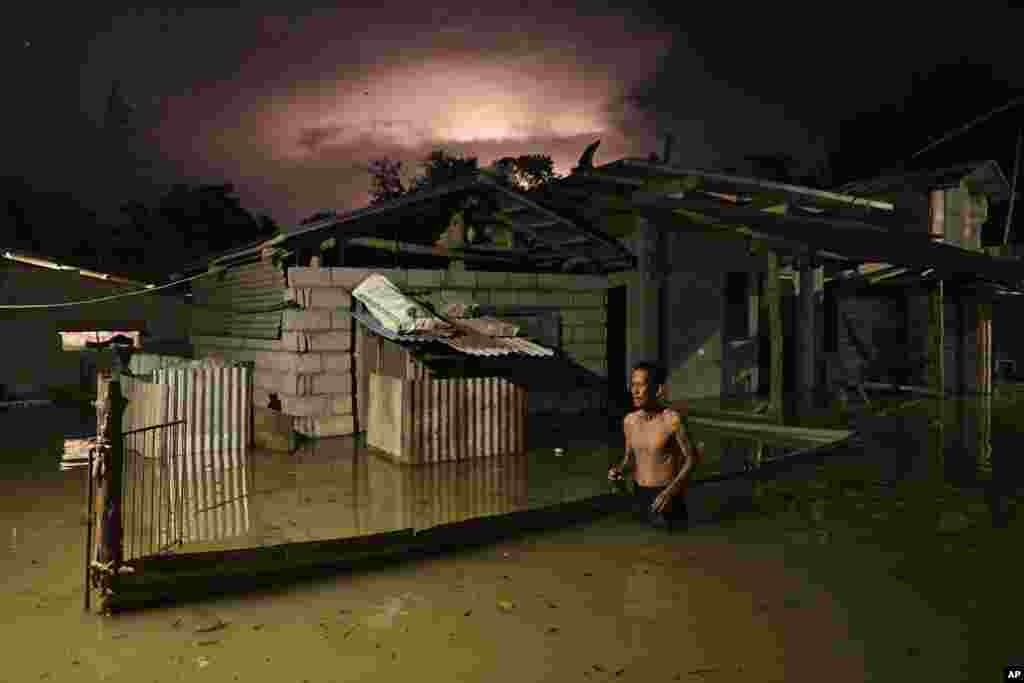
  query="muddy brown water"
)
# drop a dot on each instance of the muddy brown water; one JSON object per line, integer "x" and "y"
{"x": 838, "y": 570}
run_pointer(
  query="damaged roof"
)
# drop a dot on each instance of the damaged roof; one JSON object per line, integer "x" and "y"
{"x": 834, "y": 225}
{"x": 984, "y": 177}
{"x": 555, "y": 241}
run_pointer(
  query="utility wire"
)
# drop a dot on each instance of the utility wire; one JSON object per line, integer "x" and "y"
{"x": 112, "y": 297}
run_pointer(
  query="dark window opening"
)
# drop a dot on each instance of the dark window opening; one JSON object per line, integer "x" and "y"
{"x": 737, "y": 306}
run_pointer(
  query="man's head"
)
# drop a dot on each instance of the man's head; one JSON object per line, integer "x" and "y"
{"x": 647, "y": 384}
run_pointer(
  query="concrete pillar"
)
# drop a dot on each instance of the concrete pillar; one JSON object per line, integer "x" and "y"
{"x": 808, "y": 301}
{"x": 643, "y": 307}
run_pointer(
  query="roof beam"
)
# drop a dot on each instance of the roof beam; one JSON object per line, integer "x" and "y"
{"x": 822, "y": 195}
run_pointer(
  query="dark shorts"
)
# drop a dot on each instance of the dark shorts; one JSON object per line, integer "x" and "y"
{"x": 675, "y": 517}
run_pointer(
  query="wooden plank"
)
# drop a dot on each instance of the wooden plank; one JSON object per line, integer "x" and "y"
{"x": 773, "y": 294}
{"x": 767, "y": 429}
{"x": 384, "y": 420}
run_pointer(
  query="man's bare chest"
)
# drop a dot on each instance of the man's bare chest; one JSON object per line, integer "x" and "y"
{"x": 651, "y": 436}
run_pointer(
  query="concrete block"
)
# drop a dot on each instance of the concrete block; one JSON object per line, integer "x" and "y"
{"x": 301, "y": 276}
{"x": 487, "y": 280}
{"x": 504, "y": 298}
{"x": 460, "y": 279}
{"x": 588, "y": 299}
{"x": 335, "y": 362}
{"x": 341, "y": 320}
{"x": 530, "y": 298}
{"x": 302, "y": 342}
{"x": 350, "y": 278}
{"x": 584, "y": 316}
{"x": 342, "y": 405}
{"x": 273, "y": 431}
{"x": 522, "y": 280}
{"x": 304, "y": 406}
{"x": 319, "y": 297}
{"x": 216, "y": 342}
{"x": 555, "y": 281}
{"x": 260, "y": 397}
{"x": 306, "y": 320}
{"x": 555, "y": 298}
{"x": 325, "y": 426}
{"x": 588, "y": 334}
{"x": 419, "y": 277}
{"x": 330, "y": 383}
{"x": 340, "y": 340}
{"x": 295, "y": 341}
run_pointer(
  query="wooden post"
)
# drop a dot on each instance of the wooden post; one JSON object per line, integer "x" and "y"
{"x": 937, "y": 374}
{"x": 773, "y": 293}
{"x": 805, "y": 332}
{"x": 984, "y": 353}
{"x": 111, "y": 452}
{"x": 936, "y": 339}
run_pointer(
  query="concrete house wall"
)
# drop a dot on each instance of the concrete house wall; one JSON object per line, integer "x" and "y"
{"x": 33, "y": 360}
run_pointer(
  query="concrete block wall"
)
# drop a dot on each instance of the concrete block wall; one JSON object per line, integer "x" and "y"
{"x": 309, "y": 370}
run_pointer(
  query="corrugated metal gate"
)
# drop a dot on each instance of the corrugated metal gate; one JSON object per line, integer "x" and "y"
{"x": 232, "y": 297}
{"x": 186, "y": 436}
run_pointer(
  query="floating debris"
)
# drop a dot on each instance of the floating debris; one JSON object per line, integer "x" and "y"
{"x": 467, "y": 613}
{"x": 203, "y": 662}
{"x": 704, "y": 670}
{"x": 205, "y": 643}
{"x": 210, "y": 625}
{"x": 506, "y": 605}
{"x": 553, "y": 629}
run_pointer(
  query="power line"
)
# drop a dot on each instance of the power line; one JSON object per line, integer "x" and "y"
{"x": 102, "y": 299}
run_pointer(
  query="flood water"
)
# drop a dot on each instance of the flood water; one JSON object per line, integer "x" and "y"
{"x": 895, "y": 561}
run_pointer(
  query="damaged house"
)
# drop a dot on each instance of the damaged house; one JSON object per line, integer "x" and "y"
{"x": 738, "y": 285}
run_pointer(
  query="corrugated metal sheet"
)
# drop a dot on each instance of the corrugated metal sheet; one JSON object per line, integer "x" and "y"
{"x": 461, "y": 419}
{"x": 216, "y": 403}
{"x": 422, "y": 419}
{"x": 477, "y": 345}
{"x": 242, "y": 289}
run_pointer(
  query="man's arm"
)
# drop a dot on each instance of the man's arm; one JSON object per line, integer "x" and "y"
{"x": 629, "y": 446}
{"x": 686, "y": 448}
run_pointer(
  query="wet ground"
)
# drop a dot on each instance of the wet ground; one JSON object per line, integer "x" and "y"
{"x": 853, "y": 566}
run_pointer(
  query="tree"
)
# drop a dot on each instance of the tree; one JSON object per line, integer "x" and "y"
{"x": 386, "y": 176}
{"x": 440, "y": 168}
{"x": 528, "y": 172}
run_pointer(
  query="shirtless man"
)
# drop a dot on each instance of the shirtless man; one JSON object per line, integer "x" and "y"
{"x": 660, "y": 448}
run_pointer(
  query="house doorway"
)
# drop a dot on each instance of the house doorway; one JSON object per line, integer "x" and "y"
{"x": 615, "y": 351}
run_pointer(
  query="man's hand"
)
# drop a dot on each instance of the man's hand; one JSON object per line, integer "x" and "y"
{"x": 663, "y": 501}
{"x": 614, "y": 473}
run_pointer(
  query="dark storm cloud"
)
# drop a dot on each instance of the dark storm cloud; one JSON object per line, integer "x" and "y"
{"x": 291, "y": 104}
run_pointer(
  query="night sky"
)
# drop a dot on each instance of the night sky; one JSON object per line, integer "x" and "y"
{"x": 290, "y": 106}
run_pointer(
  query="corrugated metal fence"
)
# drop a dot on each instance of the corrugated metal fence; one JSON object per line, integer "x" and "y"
{"x": 187, "y": 434}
